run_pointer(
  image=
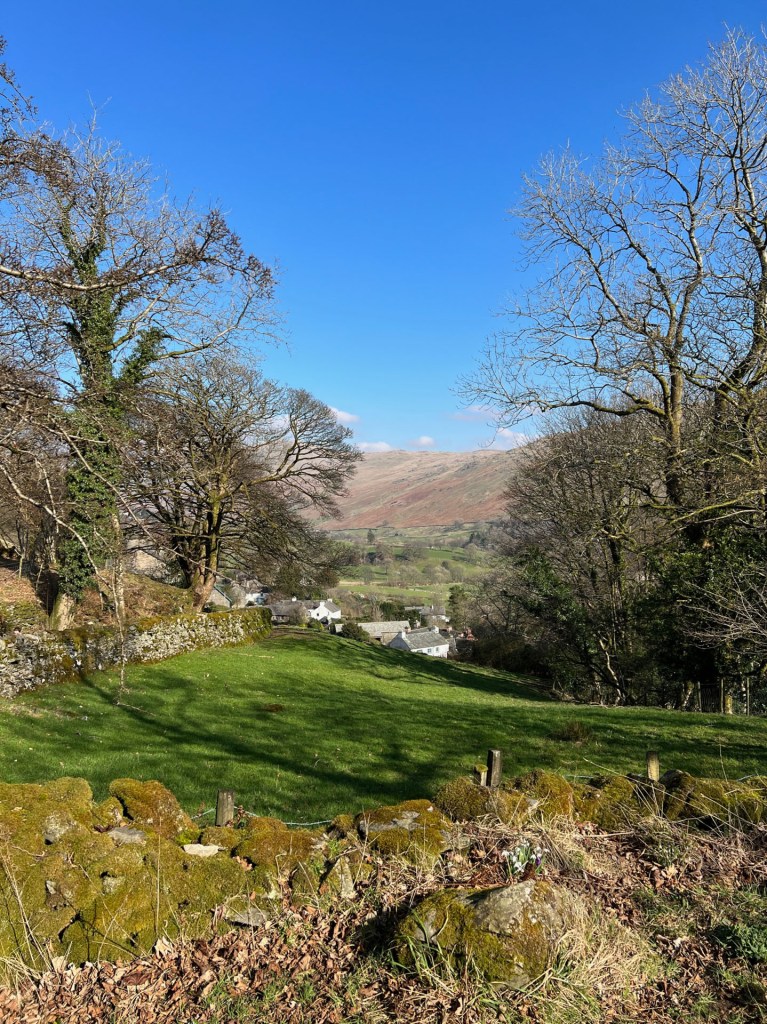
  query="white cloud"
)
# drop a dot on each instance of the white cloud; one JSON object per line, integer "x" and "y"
{"x": 374, "y": 446}
{"x": 475, "y": 413}
{"x": 344, "y": 417}
{"x": 424, "y": 441}
{"x": 505, "y": 438}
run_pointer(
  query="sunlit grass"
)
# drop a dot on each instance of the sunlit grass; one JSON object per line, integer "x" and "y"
{"x": 309, "y": 726}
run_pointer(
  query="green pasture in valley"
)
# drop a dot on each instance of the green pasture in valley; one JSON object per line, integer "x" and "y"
{"x": 306, "y": 726}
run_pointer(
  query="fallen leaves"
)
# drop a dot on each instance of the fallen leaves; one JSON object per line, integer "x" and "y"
{"x": 326, "y": 964}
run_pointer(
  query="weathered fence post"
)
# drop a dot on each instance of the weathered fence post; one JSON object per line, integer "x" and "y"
{"x": 224, "y": 806}
{"x": 653, "y": 765}
{"x": 480, "y": 774}
{"x": 494, "y": 768}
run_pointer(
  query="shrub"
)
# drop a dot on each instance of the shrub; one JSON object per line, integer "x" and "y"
{"x": 743, "y": 940}
{"x": 353, "y": 631}
{"x": 573, "y": 731}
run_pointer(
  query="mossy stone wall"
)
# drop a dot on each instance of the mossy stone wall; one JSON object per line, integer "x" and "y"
{"x": 32, "y": 659}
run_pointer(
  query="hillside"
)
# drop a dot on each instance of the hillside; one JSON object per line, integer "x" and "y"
{"x": 334, "y": 726}
{"x": 655, "y": 897}
{"x": 407, "y": 489}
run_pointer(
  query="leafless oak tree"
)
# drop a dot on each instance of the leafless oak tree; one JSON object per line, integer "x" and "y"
{"x": 224, "y": 462}
{"x": 653, "y": 296}
{"x": 103, "y": 274}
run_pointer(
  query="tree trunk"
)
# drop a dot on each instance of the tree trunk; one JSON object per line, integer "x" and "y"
{"x": 202, "y": 588}
{"x": 62, "y": 613}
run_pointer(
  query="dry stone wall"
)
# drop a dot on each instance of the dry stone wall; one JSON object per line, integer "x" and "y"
{"x": 28, "y": 660}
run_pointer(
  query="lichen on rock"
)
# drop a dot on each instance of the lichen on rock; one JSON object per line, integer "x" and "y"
{"x": 508, "y": 934}
{"x": 150, "y": 803}
{"x": 415, "y": 830}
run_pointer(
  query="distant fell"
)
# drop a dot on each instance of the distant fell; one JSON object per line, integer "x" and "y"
{"x": 425, "y": 489}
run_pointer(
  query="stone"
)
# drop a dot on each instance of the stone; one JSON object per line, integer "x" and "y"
{"x": 150, "y": 803}
{"x": 463, "y": 800}
{"x": 198, "y": 850}
{"x": 57, "y": 825}
{"x": 554, "y": 794}
{"x": 509, "y": 933}
{"x": 340, "y": 881}
{"x": 28, "y": 660}
{"x": 415, "y": 830}
{"x": 127, "y": 836}
{"x": 251, "y": 917}
{"x": 613, "y": 805}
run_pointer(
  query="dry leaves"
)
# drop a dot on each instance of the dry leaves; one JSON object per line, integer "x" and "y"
{"x": 325, "y": 964}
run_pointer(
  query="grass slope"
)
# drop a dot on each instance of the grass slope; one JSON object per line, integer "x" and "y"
{"x": 307, "y": 726}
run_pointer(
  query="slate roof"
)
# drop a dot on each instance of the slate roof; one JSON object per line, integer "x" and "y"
{"x": 420, "y": 640}
{"x": 377, "y": 628}
{"x": 285, "y": 607}
{"x": 330, "y": 605}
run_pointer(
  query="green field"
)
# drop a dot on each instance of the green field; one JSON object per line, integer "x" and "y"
{"x": 441, "y": 561}
{"x": 307, "y": 726}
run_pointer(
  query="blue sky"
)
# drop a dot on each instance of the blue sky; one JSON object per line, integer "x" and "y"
{"x": 371, "y": 151}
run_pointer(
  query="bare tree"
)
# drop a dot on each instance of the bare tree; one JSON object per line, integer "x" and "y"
{"x": 226, "y": 463}
{"x": 102, "y": 276}
{"x": 654, "y": 292}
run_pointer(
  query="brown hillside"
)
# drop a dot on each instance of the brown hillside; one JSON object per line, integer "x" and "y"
{"x": 426, "y": 489}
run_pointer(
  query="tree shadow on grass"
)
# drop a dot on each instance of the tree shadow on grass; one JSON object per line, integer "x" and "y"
{"x": 339, "y": 744}
{"x": 379, "y": 661}
{"x": 359, "y": 751}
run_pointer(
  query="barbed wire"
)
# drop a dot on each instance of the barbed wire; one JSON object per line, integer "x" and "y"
{"x": 250, "y": 814}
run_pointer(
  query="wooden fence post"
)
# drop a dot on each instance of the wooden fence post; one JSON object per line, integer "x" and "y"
{"x": 494, "y": 768}
{"x": 653, "y": 766}
{"x": 480, "y": 774}
{"x": 224, "y": 806}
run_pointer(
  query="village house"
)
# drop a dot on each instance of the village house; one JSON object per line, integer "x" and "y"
{"x": 294, "y": 611}
{"x": 323, "y": 611}
{"x": 421, "y": 641}
{"x": 385, "y": 631}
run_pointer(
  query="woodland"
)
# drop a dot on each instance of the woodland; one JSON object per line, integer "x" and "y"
{"x": 633, "y": 569}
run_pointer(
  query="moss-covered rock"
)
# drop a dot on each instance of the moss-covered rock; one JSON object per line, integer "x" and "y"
{"x": 150, "y": 803}
{"x": 554, "y": 794}
{"x": 463, "y": 800}
{"x": 275, "y": 851}
{"x": 109, "y": 813}
{"x": 612, "y": 805}
{"x": 415, "y": 830}
{"x": 70, "y": 884}
{"x": 33, "y": 816}
{"x": 509, "y": 934}
{"x": 678, "y": 786}
{"x": 343, "y": 825}
{"x": 115, "y": 925}
{"x": 713, "y": 803}
{"x": 223, "y": 836}
{"x": 150, "y": 892}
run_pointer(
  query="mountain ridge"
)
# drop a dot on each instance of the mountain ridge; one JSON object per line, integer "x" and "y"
{"x": 404, "y": 489}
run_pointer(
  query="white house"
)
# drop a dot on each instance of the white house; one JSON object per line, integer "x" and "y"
{"x": 422, "y": 641}
{"x": 323, "y": 611}
{"x": 296, "y": 611}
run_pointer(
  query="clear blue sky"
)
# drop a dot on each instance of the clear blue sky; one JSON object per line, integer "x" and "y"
{"x": 371, "y": 150}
